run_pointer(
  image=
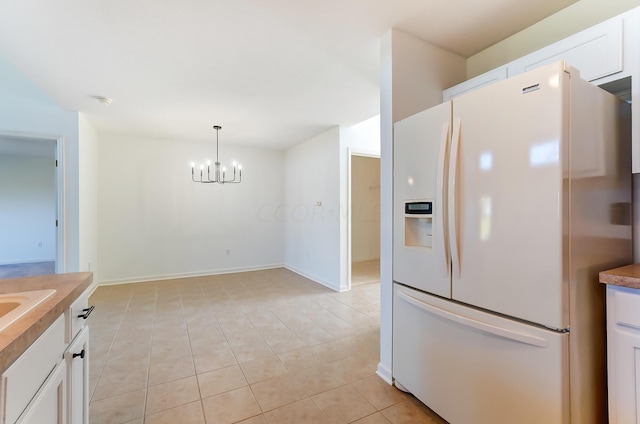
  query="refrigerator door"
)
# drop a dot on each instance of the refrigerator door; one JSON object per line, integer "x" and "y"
{"x": 420, "y": 249}
{"x": 506, "y": 199}
{"x": 470, "y": 366}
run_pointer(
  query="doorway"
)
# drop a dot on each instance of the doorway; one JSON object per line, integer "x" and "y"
{"x": 364, "y": 233}
{"x": 29, "y": 181}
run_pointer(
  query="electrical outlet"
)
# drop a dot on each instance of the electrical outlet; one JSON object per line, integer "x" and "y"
{"x": 228, "y": 252}
{"x": 39, "y": 244}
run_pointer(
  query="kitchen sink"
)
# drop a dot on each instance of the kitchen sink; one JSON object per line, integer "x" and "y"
{"x": 15, "y": 305}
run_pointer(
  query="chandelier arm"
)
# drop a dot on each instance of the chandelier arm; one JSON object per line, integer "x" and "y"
{"x": 234, "y": 181}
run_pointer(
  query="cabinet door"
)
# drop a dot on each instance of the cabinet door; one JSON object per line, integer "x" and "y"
{"x": 472, "y": 84}
{"x": 24, "y": 378}
{"x": 49, "y": 404}
{"x": 623, "y": 327}
{"x": 595, "y": 52}
{"x": 77, "y": 359}
{"x": 627, "y": 376}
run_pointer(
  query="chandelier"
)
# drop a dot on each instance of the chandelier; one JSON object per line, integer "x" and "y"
{"x": 219, "y": 175}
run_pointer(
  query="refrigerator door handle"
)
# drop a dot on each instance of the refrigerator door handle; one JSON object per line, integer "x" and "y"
{"x": 478, "y": 325}
{"x": 452, "y": 197}
{"x": 442, "y": 247}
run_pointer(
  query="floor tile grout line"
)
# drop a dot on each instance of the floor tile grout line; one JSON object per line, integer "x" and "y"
{"x": 201, "y": 398}
{"x": 146, "y": 389}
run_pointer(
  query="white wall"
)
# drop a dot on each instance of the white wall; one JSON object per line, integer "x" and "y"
{"x": 28, "y": 211}
{"x": 155, "y": 223}
{"x": 413, "y": 74}
{"x": 575, "y": 18}
{"x": 88, "y": 198}
{"x": 26, "y": 111}
{"x": 365, "y": 208}
{"x": 312, "y": 231}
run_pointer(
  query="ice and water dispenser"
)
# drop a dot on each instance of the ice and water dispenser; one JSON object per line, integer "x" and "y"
{"x": 418, "y": 223}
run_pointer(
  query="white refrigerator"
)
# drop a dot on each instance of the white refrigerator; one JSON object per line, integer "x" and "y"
{"x": 508, "y": 201}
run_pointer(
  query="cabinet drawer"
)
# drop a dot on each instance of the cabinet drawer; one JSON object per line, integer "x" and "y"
{"x": 21, "y": 381}
{"x": 77, "y": 315}
{"x": 626, "y": 304}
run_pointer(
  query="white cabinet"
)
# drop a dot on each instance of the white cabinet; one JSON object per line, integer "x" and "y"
{"x": 76, "y": 316}
{"x": 26, "y": 377}
{"x": 77, "y": 360}
{"x": 602, "y": 53}
{"x": 595, "y": 52}
{"x": 49, "y": 404}
{"x": 623, "y": 351}
{"x": 472, "y": 84}
{"x": 49, "y": 382}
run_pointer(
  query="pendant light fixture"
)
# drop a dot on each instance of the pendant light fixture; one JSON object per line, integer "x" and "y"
{"x": 219, "y": 174}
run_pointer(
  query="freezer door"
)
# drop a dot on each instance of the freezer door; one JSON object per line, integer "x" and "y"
{"x": 507, "y": 203}
{"x": 474, "y": 367}
{"x": 420, "y": 249}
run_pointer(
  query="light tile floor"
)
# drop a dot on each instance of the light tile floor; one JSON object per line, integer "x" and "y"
{"x": 365, "y": 272}
{"x": 27, "y": 269}
{"x": 263, "y": 347}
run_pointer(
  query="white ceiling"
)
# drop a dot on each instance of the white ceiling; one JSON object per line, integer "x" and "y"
{"x": 271, "y": 72}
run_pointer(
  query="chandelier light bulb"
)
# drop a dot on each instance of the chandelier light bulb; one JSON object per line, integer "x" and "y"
{"x": 193, "y": 164}
{"x": 208, "y": 163}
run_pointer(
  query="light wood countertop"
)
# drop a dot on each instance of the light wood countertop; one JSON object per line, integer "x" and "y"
{"x": 17, "y": 337}
{"x": 626, "y": 276}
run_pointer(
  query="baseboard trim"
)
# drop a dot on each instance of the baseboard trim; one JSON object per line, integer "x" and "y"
{"x": 311, "y": 277}
{"x": 92, "y": 287}
{"x": 385, "y": 373}
{"x": 162, "y": 277}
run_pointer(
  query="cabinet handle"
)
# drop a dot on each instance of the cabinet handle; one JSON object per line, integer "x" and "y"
{"x": 87, "y": 312}
{"x": 81, "y": 354}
